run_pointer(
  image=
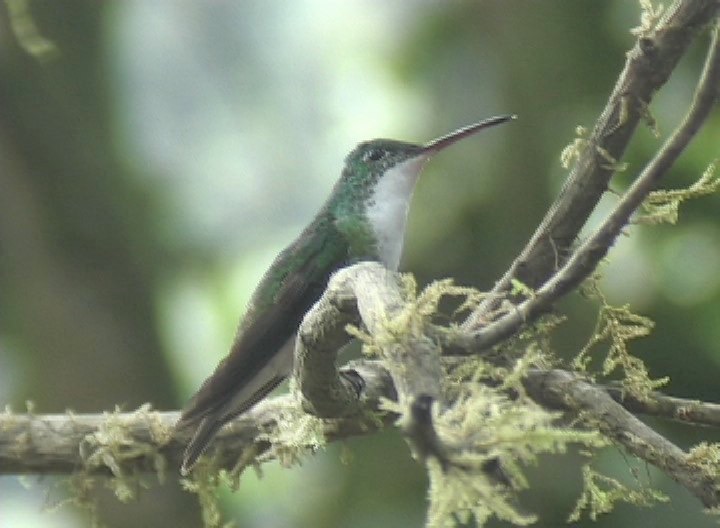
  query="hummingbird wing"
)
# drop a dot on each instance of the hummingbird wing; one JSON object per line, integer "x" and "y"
{"x": 293, "y": 283}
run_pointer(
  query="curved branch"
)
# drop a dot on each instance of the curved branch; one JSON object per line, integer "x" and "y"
{"x": 380, "y": 301}
{"x": 324, "y": 392}
{"x": 387, "y": 312}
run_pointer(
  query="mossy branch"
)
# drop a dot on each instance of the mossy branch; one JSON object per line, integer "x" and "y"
{"x": 393, "y": 328}
{"x": 123, "y": 443}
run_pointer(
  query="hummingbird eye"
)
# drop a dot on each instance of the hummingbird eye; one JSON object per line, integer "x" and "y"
{"x": 374, "y": 154}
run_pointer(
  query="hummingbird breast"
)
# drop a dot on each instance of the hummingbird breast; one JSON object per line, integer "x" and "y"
{"x": 387, "y": 209}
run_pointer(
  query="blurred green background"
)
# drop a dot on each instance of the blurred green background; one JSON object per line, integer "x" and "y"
{"x": 155, "y": 160}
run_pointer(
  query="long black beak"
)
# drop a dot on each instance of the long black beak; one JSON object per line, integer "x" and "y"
{"x": 445, "y": 141}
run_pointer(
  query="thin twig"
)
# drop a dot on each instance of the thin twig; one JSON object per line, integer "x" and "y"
{"x": 693, "y": 412}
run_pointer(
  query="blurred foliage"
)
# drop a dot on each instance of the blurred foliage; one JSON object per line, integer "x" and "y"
{"x": 102, "y": 225}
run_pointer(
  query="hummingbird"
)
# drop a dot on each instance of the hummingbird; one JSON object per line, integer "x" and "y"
{"x": 363, "y": 219}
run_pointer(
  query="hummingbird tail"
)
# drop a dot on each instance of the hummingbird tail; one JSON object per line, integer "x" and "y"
{"x": 199, "y": 443}
{"x": 213, "y": 420}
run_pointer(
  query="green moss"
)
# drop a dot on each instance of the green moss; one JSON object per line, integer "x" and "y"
{"x": 297, "y": 435}
{"x": 706, "y": 457}
{"x": 616, "y": 327}
{"x": 112, "y": 445}
{"x": 649, "y": 18}
{"x": 206, "y": 482}
{"x": 572, "y": 152}
{"x": 484, "y": 425}
{"x": 664, "y": 206}
{"x": 114, "y": 448}
{"x": 601, "y": 493}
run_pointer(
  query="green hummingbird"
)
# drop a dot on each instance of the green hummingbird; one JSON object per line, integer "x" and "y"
{"x": 363, "y": 219}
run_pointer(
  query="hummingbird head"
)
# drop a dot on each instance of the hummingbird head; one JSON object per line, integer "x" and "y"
{"x": 375, "y": 157}
{"x": 371, "y": 160}
{"x": 376, "y": 186}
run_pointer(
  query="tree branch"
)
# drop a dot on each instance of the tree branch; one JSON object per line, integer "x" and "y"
{"x": 649, "y": 64}
{"x": 693, "y": 412}
{"x": 123, "y": 443}
{"x": 565, "y": 390}
{"x": 586, "y": 258}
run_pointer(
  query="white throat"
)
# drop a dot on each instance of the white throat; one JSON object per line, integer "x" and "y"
{"x": 388, "y": 208}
